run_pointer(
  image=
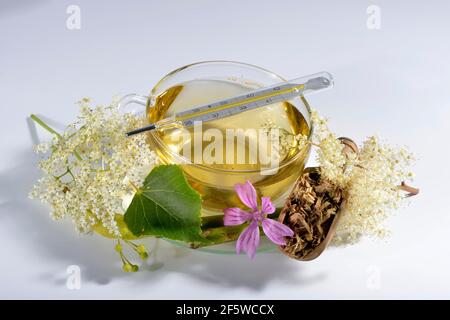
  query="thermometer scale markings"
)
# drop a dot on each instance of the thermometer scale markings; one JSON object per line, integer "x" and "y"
{"x": 261, "y": 97}
{"x": 239, "y": 104}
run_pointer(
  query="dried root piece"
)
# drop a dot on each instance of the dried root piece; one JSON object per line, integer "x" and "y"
{"x": 313, "y": 209}
{"x": 312, "y": 212}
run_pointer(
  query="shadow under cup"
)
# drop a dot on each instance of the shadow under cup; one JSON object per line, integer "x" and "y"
{"x": 216, "y": 185}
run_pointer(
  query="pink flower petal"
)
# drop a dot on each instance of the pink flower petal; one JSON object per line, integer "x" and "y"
{"x": 235, "y": 216}
{"x": 266, "y": 206}
{"x": 248, "y": 241}
{"x": 247, "y": 194}
{"x": 276, "y": 231}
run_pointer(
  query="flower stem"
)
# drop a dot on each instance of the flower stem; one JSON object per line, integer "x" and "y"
{"x": 40, "y": 122}
{"x": 136, "y": 189}
{"x": 411, "y": 191}
{"x": 130, "y": 243}
{"x": 45, "y": 126}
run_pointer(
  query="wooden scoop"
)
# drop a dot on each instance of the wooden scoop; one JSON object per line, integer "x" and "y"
{"x": 331, "y": 223}
{"x": 333, "y": 219}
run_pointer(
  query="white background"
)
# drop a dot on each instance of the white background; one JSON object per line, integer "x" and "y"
{"x": 394, "y": 82}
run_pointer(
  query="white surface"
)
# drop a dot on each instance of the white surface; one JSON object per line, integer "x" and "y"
{"x": 394, "y": 81}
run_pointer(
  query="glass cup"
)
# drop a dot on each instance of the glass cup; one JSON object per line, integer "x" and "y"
{"x": 216, "y": 185}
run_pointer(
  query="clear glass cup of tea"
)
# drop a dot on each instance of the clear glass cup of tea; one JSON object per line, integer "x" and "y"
{"x": 259, "y": 145}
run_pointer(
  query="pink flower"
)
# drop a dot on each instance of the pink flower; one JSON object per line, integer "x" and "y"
{"x": 248, "y": 241}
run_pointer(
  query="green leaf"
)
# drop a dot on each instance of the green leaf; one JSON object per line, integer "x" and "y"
{"x": 166, "y": 206}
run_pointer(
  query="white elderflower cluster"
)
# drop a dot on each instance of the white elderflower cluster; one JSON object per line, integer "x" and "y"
{"x": 92, "y": 166}
{"x": 334, "y": 164}
{"x": 373, "y": 190}
{"x": 370, "y": 180}
{"x": 282, "y": 141}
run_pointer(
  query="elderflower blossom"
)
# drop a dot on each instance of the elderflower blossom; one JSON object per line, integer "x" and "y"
{"x": 370, "y": 180}
{"x": 373, "y": 191}
{"x": 92, "y": 166}
{"x": 42, "y": 147}
{"x": 282, "y": 141}
{"x": 333, "y": 162}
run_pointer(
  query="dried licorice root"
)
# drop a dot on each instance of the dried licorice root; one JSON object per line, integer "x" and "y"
{"x": 310, "y": 211}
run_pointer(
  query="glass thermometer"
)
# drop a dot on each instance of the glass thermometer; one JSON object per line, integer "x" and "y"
{"x": 255, "y": 99}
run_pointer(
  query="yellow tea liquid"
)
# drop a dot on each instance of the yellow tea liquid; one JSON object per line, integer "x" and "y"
{"x": 215, "y": 180}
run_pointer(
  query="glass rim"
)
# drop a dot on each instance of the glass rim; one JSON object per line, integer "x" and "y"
{"x": 185, "y": 161}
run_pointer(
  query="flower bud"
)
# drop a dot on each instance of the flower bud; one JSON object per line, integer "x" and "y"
{"x": 141, "y": 249}
{"x": 143, "y": 255}
{"x": 127, "y": 267}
